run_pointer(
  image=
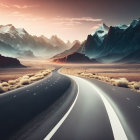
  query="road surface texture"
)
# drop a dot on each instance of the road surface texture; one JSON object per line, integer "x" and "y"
{"x": 101, "y": 112}
{"x": 25, "y": 109}
{"x": 70, "y": 108}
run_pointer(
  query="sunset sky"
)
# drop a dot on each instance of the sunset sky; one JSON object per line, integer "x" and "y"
{"x": 69, "y": 19}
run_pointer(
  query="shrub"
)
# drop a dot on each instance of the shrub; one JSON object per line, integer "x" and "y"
{"x": 24, "y": 81}
{"x": 4, "y": 84}
{"x": 45, "y": 73}
{"x": 3, "y": 88}
{"x": 137, "y": 85}
{"x": 25, "y": 77}
{"x": 122, "y": 82}
{"x": 11, "y": 82}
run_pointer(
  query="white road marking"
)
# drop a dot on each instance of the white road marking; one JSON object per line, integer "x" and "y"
{"x": 48, "y": 137}
{"x": 118, "y": 131}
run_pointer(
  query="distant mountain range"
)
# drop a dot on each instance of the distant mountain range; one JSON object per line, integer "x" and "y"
{"x": 19, "y": 43}
{"x": 114, "y": 44}
{"x": 8, "y": 62}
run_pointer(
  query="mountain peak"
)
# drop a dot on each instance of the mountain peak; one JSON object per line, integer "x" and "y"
{"x": 10, "y": 29}
{"x": 101, "y": 31}
{"x": 54, "y": 37}
{"x": 135, "y": 22}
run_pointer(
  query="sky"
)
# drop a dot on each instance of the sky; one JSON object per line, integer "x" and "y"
{"x": 68, "y": 19}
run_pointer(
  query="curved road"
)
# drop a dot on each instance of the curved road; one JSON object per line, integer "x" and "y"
{"x": 70, "y": 108}
{"x": 101, "y": 112}
{"x": 23, "y": 110}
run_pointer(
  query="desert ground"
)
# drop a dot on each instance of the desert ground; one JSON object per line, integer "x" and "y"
{"x": 124, "y": 75}
{"x": 129, "y": 71}
{"x": 33, "y": 66}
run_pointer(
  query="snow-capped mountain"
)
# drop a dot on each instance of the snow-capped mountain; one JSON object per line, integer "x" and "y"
{"x": 101, "y": 32}
{"x": 94, "y": 41}
{"x": 20, "y": 41}
{"x": 135, "y": 23}
{"x": 114, "y": 43}
{"x": 12, "y": 31}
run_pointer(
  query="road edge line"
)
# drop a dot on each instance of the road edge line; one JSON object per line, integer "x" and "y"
{"x": 56, "y": 127}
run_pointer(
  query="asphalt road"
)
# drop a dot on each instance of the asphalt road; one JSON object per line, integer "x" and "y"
{"x": 70, "y": 108}
{"x": 101, "y": 112}
{"x": 23, "y": 110}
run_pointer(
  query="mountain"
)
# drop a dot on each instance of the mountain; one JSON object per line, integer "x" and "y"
{"x": 73, "y": 49}
{"x": 93, "y": 44}
{"x": 7, "y": 50}
{"x": 75, "y": 58}
{"x": 8, "y": 62}
{"x": 133, "y": 57}
{"x": 112, "y": 44}
{"x": 21, "y": 41}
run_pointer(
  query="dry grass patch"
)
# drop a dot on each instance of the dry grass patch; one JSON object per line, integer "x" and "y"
{"x": 25, "y": 77}
{"x": 137, "y": 85}
{"x": 24, "y": 80}
{"x": 12, "y": 82}
{"x": 122, "y": 82}
{"x": 3, "y": 89}
{"x": 4, "y": 84}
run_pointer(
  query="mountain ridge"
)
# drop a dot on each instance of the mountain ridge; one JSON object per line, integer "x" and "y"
{"x": 118, "y": 42}
{"x": 21, "y": 41}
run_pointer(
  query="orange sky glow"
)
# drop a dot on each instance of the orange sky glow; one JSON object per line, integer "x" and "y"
{"x": 47, "y": 19}
{"x": 68, "y": 19}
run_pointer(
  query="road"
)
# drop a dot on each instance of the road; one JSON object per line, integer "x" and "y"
{"x": 23, "y": 110}
{"x": 101, "y": 112}
{"x": 70, "y": 108}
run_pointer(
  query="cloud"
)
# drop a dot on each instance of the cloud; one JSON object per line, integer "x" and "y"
{"x": 74, "y": 21}
{"x": 88, "y": 19}
{"x": 18, "y": 14}
{"x": 67, "y": 23}
{"x": 5, "y": 5}
{"x": 24, "y": 6}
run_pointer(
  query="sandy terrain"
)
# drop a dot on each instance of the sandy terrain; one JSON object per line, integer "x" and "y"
{"x": 127, "y": 76}
{"x": 32, "y": 68}
{"x": 124, "y": 75}
{"x": 129, "y": 71}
